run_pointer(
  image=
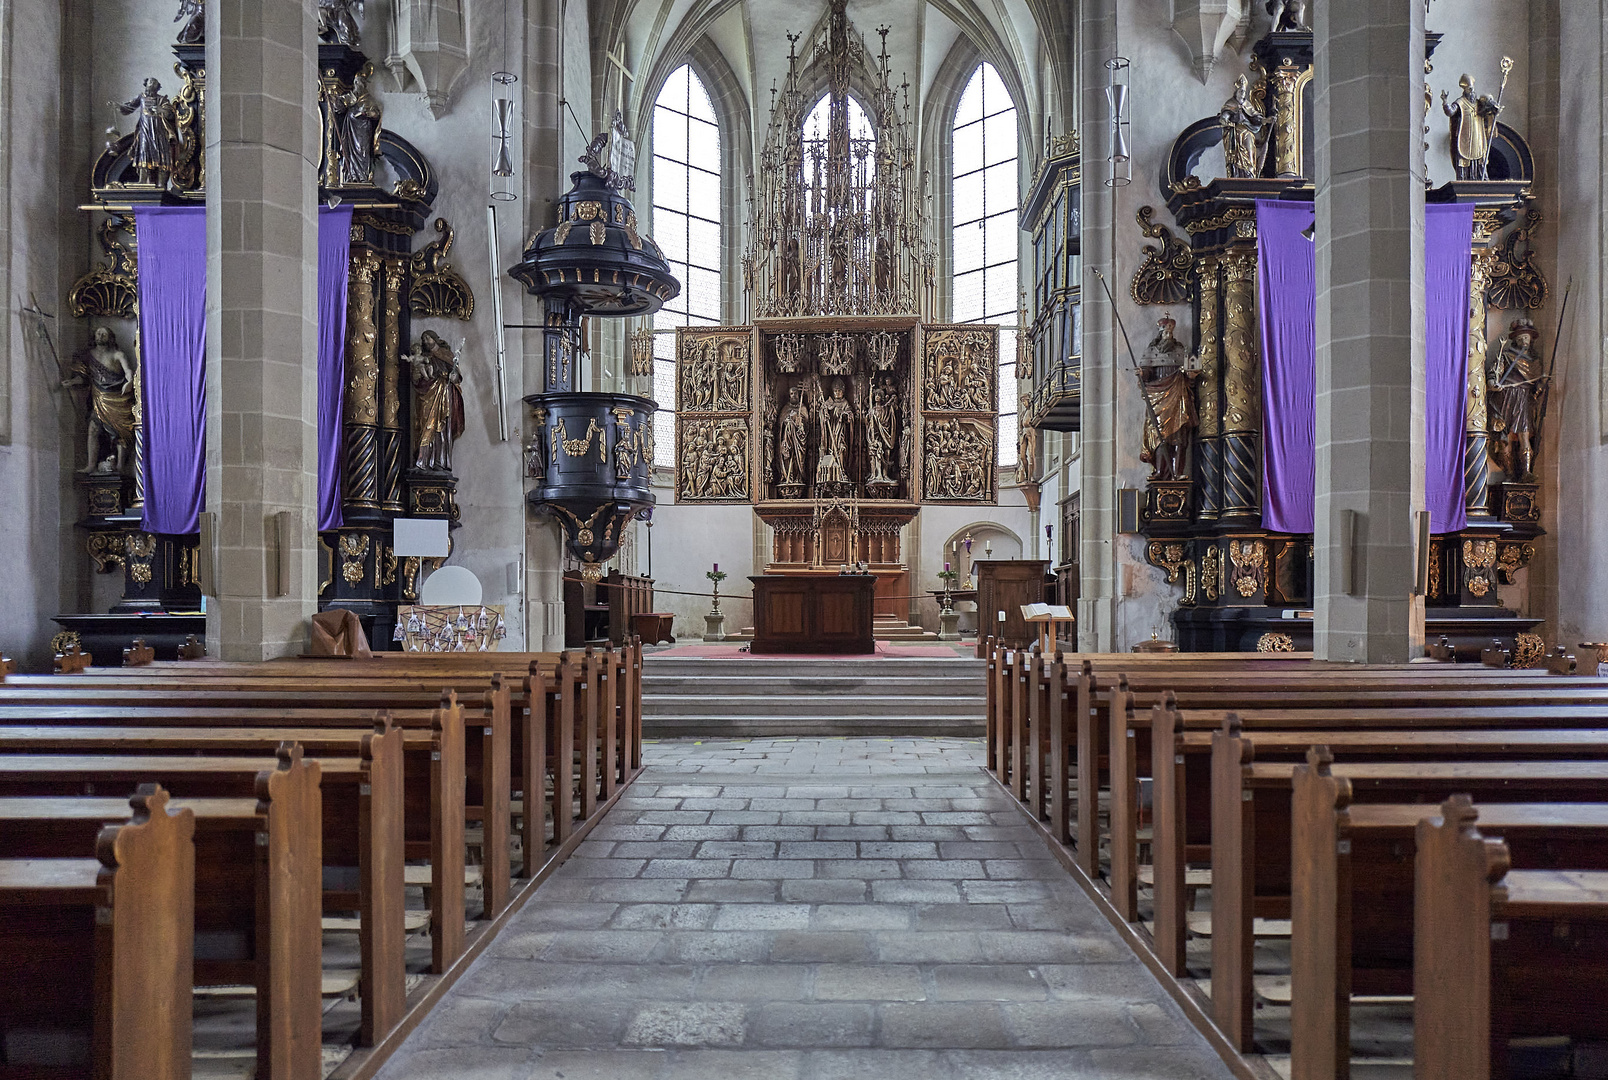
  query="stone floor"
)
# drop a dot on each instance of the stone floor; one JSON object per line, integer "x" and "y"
{"x": 808, "y": 909}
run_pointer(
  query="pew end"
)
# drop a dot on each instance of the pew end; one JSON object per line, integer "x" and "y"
{"x": 71, "y": 660}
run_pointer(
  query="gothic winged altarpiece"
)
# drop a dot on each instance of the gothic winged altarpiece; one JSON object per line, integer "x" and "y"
{"x": 402, "y": 398}
{"x": 1242, "y": 585}
{"x": 840, "y": 410}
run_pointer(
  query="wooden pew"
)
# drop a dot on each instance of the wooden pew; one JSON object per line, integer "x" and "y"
{"x": 374, "y": 810}
{"x": 353, "y": 698}
{"x": 529, "y": 677}
{"x": 1499, "y": 953}
{"x": 1352, "y": 892}
{"x": 1181, "y": 770}
{"x": 103, "y": 946}
{"x": 1251, "y": 821}
{"x": 1130, "y": 746}
{"x": 292, "y": 791}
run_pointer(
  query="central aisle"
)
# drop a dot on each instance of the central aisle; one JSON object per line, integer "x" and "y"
{"x": 808, "y": 909}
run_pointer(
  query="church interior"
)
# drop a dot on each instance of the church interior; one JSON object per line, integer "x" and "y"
{"x": 804, "y": 540}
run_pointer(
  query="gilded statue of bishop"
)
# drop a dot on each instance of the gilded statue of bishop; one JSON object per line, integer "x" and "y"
{"x": 1245, "y": 132}
{"x": 109, "y": 376}
{"x": 1167, "y": 381}
{"x": 1473, "y": 124}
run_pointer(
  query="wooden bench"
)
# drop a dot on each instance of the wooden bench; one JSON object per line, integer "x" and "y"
{"x": 293, "y": 793}
{"x": 99, "y": 951}
{"x": 1251, "y": 823}
{"x": 1181, "y": 769}
{"x": 281, "y": 701}
{"x": 1499, "y": 953}
{"x": 1353, "y": 885}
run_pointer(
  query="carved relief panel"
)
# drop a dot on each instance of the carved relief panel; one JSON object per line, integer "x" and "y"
{"x": 960, "y": 377}
{"x": 714, "y": 410}
{"x": 836, "y": 409}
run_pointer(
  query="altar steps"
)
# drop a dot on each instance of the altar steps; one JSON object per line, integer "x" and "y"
{"x": 747, "y": 697}
{"x": 883, "y": 628}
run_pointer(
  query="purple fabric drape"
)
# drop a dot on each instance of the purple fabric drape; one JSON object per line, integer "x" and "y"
{"x": 1286, "y": 303}
{"x": 173, "y": 363}
{"x": 1448, "y": 230}
{"x": 334, "y": 228}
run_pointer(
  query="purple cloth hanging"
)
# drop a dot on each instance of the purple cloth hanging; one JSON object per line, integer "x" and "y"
{"x": 1286, "y": 304}
{"x": 173, "y": 363}
{"x": 334, "y": 246}
{"x": 1448, "y": 232}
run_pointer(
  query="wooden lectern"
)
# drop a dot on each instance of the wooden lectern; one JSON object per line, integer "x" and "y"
{"x": 1004, "y": 585}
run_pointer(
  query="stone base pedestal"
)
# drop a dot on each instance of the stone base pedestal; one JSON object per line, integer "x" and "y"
{"x": 949, "y": 626}
{"x": 715, "y": 626}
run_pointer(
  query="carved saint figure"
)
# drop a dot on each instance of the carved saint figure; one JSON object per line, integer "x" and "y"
{"x": 337, "y": 24}
{"x": 1026, "y": 448}
{"x": 192, "y": 13}
{"x": 1168, "y": 386}
{"x": 767, "y": 455}
{"x": 733, "y": 375}
{"x": 1243, "y": 126}
{"x": 437, "y": 402}
{"x": 357, "y": 127}
{"x": 109, "y": 376}
{"x": 1516, "y": 389}
{"x": 1473, "y": 124}
{"x": 882, "y": 432}
{"x": 156, "y": 141}
{"x": 1288, "y": 15}
{"x": 835, "y": 416}
{"x": 795, "y": 437}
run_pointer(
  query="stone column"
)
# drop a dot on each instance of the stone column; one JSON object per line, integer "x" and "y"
{"x": 1370, "y": 326}
{"x": 262, "y": 136}
{"x": 545, "y": 181}
{"x": 1097, "y": 603}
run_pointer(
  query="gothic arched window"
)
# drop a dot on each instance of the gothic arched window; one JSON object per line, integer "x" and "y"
{"x": 986, "y": 194}
{"x": 686, "y": 226}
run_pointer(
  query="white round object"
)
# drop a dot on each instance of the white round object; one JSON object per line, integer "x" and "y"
{"x": 450, "y": 585}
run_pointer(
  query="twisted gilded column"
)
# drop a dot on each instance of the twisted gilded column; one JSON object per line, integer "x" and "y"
{"x": 1209, "y": 392}
{"x": 362, "y": 407}
{"x": 1476, "y": 445}
{"x": 1242, "y": 391}
{"x": 393, "y": 389}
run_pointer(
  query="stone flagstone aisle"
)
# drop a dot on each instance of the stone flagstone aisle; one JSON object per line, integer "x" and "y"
{"x": 808, "y": 909}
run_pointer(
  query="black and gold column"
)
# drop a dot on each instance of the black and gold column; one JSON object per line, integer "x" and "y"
{"x": 1476, "y": 446}
{"x": 1209, "y": 392}
{"x": 1242, "y": 391}
{"x": 393, "y": 389}
{"x": 362, "y": 406}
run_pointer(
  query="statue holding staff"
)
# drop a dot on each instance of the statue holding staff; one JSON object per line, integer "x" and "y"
{"x": 1515, "y": 389}
{"x": 1473, "y": 126}
{"x": 1244, "y": 132}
